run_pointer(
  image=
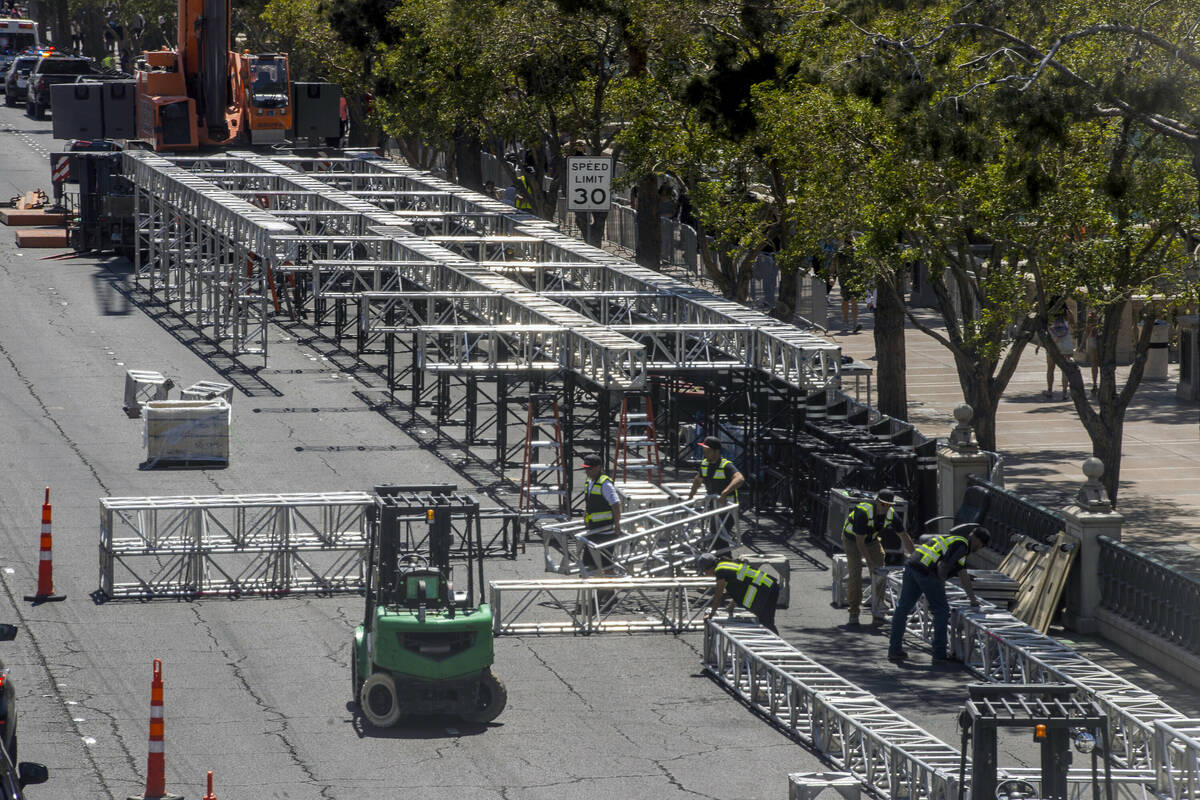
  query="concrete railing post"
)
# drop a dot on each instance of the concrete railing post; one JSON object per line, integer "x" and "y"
{"x": 956, "y": 462}
{"x": 1087, "y": 519}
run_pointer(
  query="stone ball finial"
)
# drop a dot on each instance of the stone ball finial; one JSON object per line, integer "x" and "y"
{"x": 1092, "y": 496}
{"x": 962, "y": 438}
{"x": 963, "y": 414}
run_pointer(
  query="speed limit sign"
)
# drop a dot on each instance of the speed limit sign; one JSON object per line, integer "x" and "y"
{"x": 589, "y": 183}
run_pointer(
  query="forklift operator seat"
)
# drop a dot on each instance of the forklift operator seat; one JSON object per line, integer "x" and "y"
{"x": 974, "y": 506}
{"x": 421, "y": 586}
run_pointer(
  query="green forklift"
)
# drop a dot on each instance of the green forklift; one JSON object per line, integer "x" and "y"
{"x": 424, "y": 647}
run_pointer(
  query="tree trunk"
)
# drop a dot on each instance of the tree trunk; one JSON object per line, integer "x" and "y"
{"x": 467, "y": 164}
{"x": 648, "y": 230}
{"x": 891, "y": 365}
{"x": 61, "y": 35}
{"x": 785, "y": 303}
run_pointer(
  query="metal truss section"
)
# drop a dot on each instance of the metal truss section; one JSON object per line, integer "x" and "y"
{"x": 797, "y": 358}
{"x": 665, "y": 540}
{"x": 887, "y": 754}
{"x": 205, "y": 250}
{"x": 232, "y": 544}
{"x": 999, "y": 647}
{"x": 599, "y": 605}
{"x": 1178, "y": 744}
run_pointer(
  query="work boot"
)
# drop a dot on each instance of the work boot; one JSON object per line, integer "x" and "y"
{"x": 945, "y": 659}
{"x": 877, "y": 621}
{"x": 896, "y": 656}
{"x": 853, "y": 621}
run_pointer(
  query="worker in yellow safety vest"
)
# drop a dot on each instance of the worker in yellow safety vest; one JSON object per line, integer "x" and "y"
{"x": 601, "y": 511}
{"x": 719, "y": 476}
{"x": 752, "y": 589}
{"x": 861, "y": 541}
{"x": 934, "y": 560}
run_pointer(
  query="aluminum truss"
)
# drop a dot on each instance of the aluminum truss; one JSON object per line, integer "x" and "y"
{"x": 888, "y": 755}
{"x": 232, "y": 544}
{"x": 999, "y": 647}
{"x": 205, "y": 250}
{"x": 599, "y": 605}
{"x": 664, "y": 541}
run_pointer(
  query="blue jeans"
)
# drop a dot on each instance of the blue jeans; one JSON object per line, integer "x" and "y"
{"x": 917, "y": 583}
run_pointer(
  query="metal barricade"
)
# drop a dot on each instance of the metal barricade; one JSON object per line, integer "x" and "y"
{"x": 1008, "y": 514}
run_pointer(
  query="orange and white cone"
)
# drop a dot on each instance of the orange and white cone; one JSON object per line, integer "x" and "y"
{"x": 45, "y": 587}
{"x": 156, "y": 766}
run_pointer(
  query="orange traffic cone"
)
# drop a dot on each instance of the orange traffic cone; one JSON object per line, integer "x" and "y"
{"x": 210, "y": 795}
{"x": 45, "y": 587}
{"x": 156, "y": 766}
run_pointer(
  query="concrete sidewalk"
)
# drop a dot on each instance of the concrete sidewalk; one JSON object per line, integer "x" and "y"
{"x": 1044, "y": 443}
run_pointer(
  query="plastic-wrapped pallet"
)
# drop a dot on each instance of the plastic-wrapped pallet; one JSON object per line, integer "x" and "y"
{"x": 186, "y": 431}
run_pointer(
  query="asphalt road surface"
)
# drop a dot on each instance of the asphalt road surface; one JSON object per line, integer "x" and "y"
{"x": 258, "y": 690}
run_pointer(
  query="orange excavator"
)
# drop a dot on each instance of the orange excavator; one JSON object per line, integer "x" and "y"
{"x": 202, "y": 94}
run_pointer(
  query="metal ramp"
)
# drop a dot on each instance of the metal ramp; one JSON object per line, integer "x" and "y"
{"x": 665, "y": 540}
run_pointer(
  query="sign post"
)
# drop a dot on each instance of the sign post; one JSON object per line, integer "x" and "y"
{"x": 589, "y": 183}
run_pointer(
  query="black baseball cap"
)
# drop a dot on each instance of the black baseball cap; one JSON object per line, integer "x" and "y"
{"x": 886, "y": 496}
{"x": 591, "y": 460}
{"x": 712, "y": 441}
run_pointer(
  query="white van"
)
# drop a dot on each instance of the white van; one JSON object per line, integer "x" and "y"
{"x": 16, "y": 36}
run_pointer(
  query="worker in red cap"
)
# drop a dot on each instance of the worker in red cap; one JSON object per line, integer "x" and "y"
{"x": 601, "y": 510}
{"x": 719, "y": 476}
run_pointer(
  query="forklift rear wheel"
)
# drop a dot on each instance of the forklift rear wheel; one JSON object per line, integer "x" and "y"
{"x": 378, "y": 700}
{"x": 492, "y": 699}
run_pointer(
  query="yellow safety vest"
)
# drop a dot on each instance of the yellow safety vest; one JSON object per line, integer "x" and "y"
{"x": 595, "y": 507}
{"x": 932, "y": 551}
{"x": 743, "y": 572}
{"x": 720, "y": 477}
{"x": 868, "y": 508}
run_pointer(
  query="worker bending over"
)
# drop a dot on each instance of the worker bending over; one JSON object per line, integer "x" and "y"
{"x": 752, "y": 589}
{"x": 934, "y": 560}
{"x": 862, "y": 541}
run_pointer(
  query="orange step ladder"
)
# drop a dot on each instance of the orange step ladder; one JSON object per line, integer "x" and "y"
{"x": 543, "y": 471}
{"x": 635, "y": 455}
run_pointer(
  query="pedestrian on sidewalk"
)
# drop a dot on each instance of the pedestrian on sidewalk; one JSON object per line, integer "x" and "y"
{"x": 1058, "y": 329}
{"x": 850, "y": 284}
{"x": 861, "y": 541}
{"x": 752, "y": 589}
{"x": 934, "y": 561}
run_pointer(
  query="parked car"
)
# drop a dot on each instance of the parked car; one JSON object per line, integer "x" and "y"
{"x": 16, "y": 79}
{"x": 8, "y": 700}
{"x": 15, "y": 777}
{"x": 50, "y": 70}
